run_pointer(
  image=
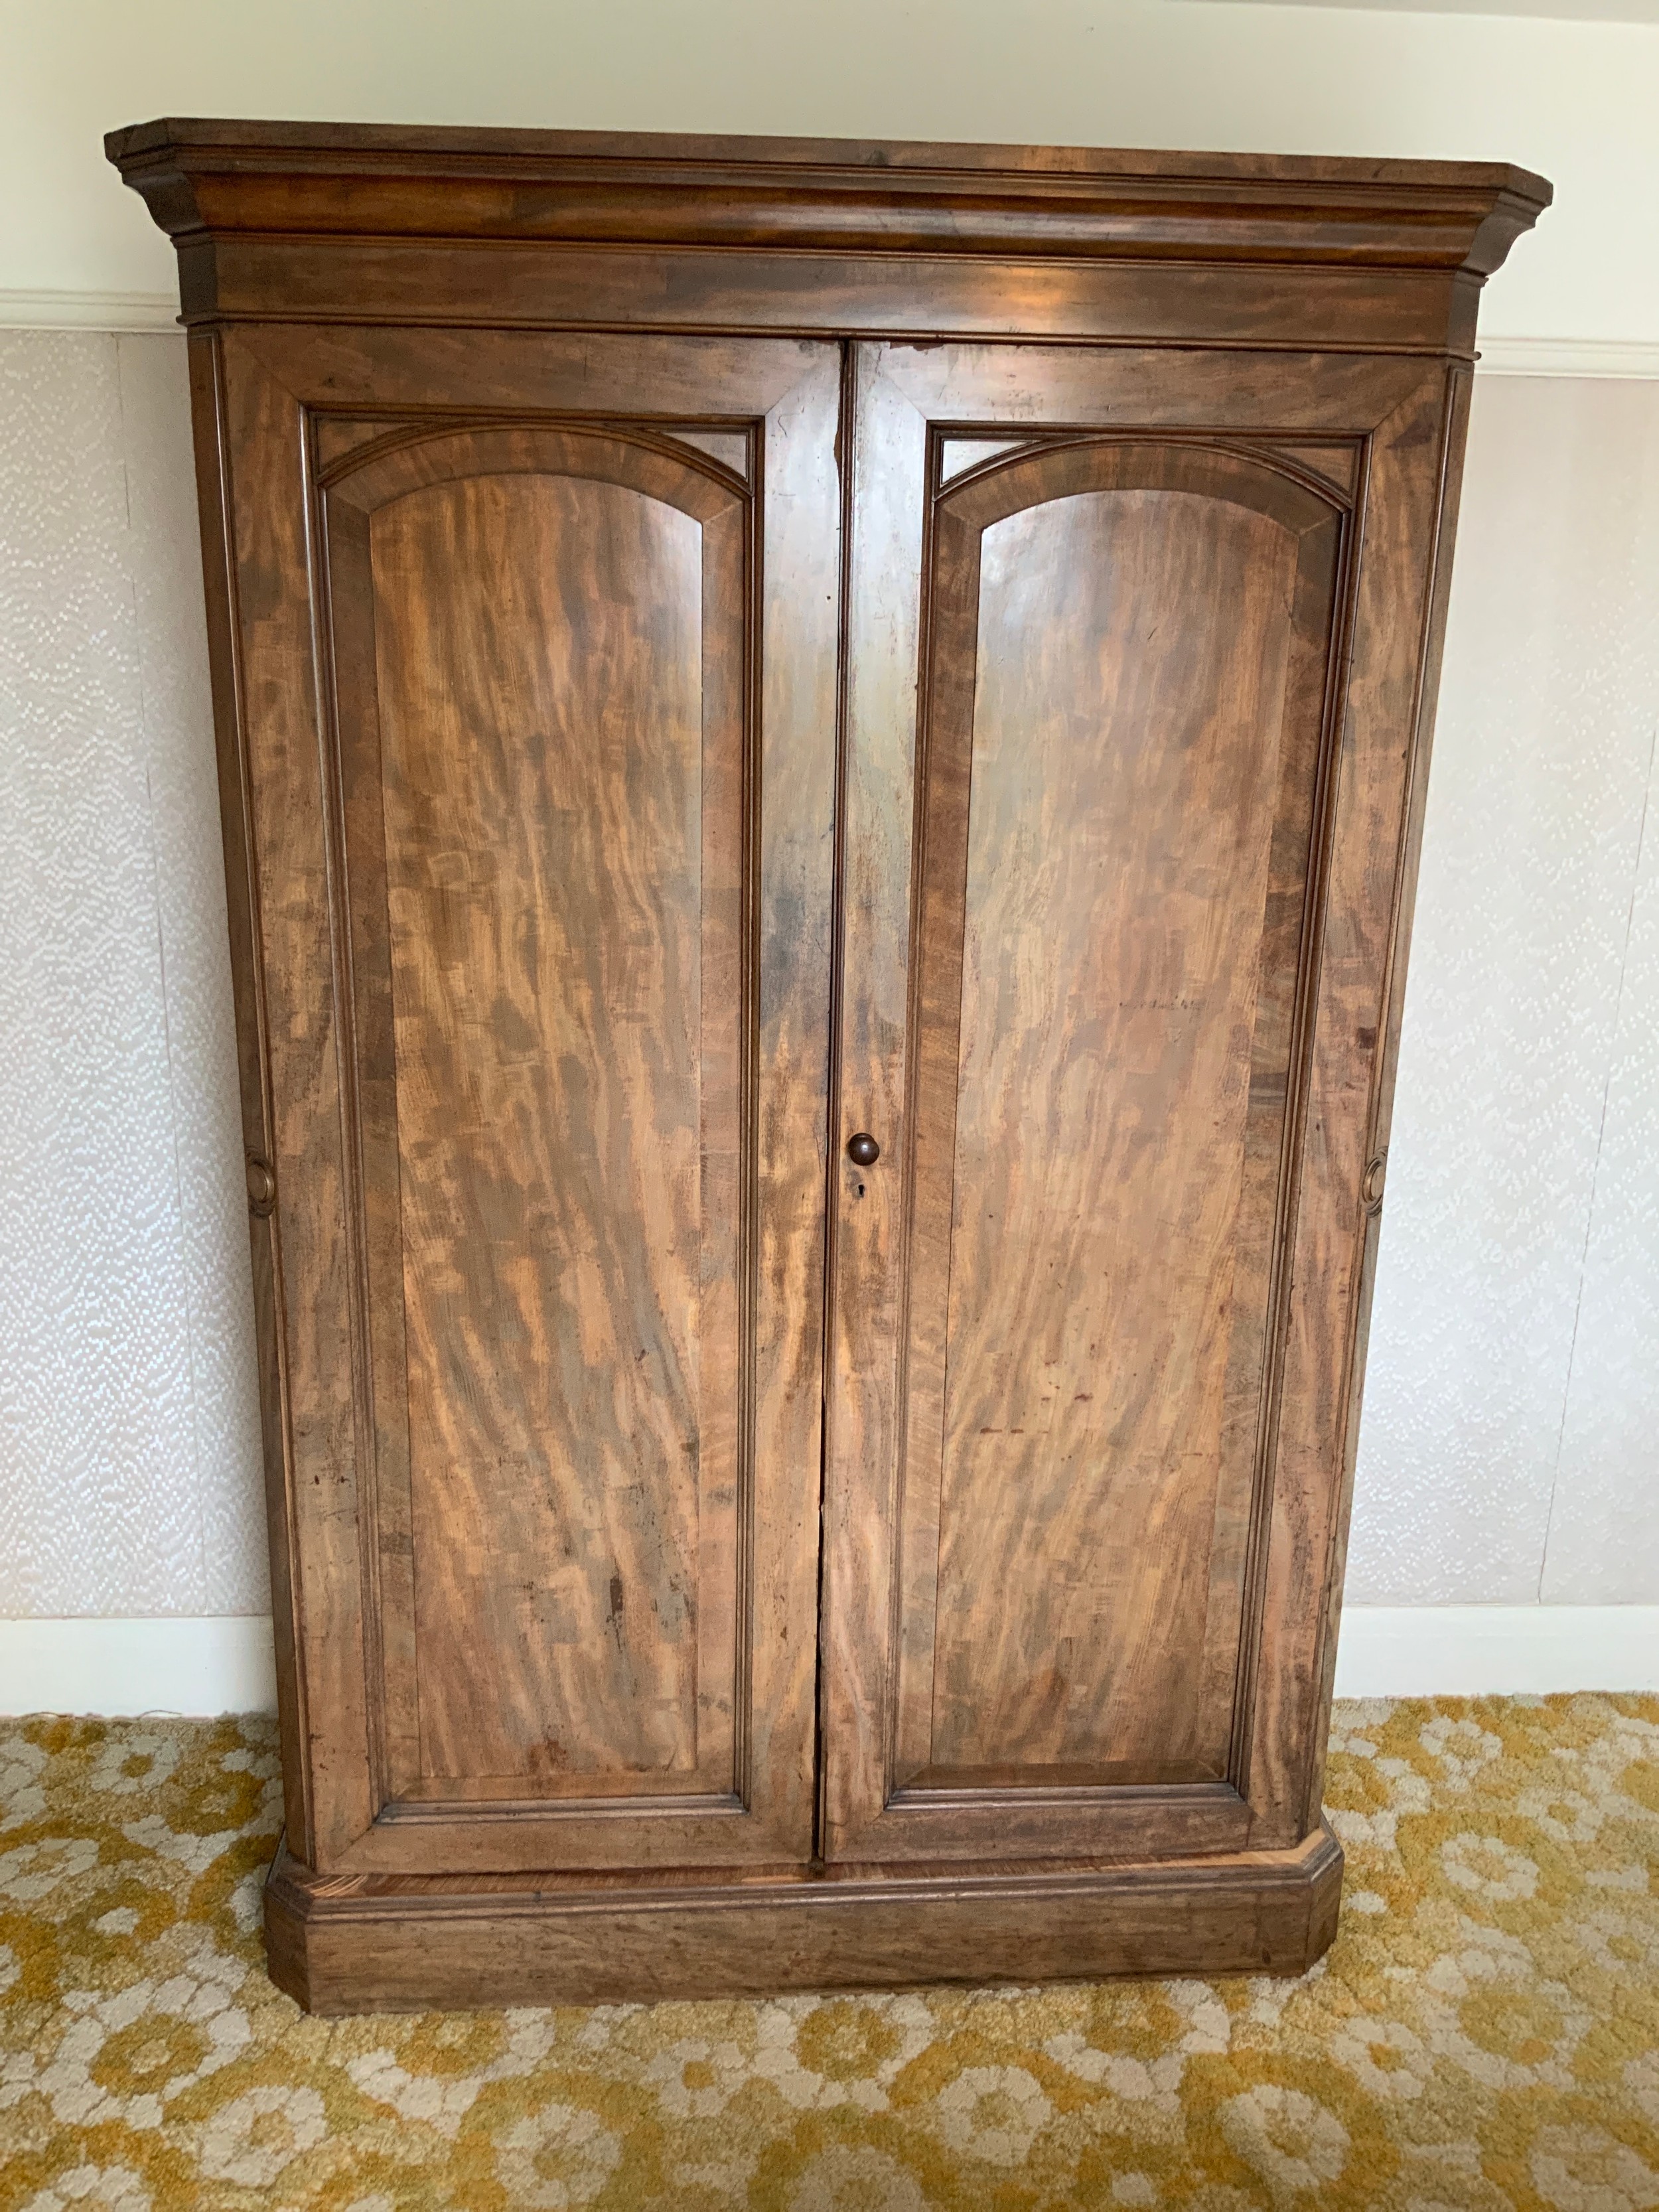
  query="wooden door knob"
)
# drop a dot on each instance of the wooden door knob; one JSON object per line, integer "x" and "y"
{"x": 863, "y": 1150}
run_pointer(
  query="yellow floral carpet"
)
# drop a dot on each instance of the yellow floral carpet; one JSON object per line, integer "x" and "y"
{"x": 1484, "y": 2033}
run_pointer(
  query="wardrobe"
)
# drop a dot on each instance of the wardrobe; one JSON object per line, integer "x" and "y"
{"x": 821, "y": 750}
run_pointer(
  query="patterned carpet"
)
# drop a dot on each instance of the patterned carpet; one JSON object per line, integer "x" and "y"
{"x": 1484, "y": 2033}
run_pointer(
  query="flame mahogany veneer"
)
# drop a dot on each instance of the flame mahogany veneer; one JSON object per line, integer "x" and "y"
{"x": 823, "y": 750}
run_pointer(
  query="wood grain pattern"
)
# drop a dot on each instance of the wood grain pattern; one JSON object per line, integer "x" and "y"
{"x": 362, "y": 223}
{"x": 1412, "y": 463}
{"x": 634, "y": 187}
{"x": 1097, "y": 1112}
{"x": 408, "y": 1772}
{"x": 212, "y": 435}
{"x": 341, "y": 221}
{"x": 299, "y": 1073}
{"x": 407, "y": 1949}
{"x": 1409, "y": 848}
{"x": 541, "y": 728}
{"x": 257, "y": 283}
{"x": 492, "y": 784}
{"x": 655, "y": 744}
{"x": 1081, "y": 1166}
{"x": 969, "y": 1624}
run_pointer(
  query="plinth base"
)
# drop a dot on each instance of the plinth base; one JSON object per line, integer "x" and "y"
{"x": 390, "y": 1943}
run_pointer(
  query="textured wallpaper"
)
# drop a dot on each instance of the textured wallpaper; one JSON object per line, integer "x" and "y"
{"x": 1511, "y": 1444}
{"x": 128, "y": 1422}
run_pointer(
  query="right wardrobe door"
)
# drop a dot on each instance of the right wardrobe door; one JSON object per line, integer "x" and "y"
{"x": 1139, "y": 646}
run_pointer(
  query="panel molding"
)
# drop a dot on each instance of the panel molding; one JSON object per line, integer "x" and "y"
{"x": 904, "y": 397}
{"x": 1329, "y": 467}
{"x": 274, "y": 383}
{"x": 394, "y": 457}
{"x": 344, "y": 443}
{"x": 1250, "y": 470}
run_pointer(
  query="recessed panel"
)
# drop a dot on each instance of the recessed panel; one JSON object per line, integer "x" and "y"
{"x": 1124, "y": 784}
{"x": 1119, "y": 807}
{"x": 539, "y": 659}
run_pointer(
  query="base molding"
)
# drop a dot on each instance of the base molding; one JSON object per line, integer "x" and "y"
{"x": 170, "y": 1663}
{"x": 1495, "y": 1650}
{"x": 345, "y": 1944}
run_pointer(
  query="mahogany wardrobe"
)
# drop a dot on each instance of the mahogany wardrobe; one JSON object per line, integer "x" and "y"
{"x": 822, "y": 748}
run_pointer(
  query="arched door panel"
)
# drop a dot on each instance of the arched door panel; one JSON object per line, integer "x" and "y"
{"x": 543, "y": 703}
{"x": 1122, "y": 764}
{"x": 551, "y": 712}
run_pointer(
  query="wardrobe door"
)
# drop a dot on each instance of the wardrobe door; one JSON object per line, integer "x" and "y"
{"x": 1129, "y": 717}
{"x": 535, "y": 646}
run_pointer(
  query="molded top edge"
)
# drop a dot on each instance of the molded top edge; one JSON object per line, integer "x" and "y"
{"x": 388, "y": 146}
{"x": 317, "y": 182}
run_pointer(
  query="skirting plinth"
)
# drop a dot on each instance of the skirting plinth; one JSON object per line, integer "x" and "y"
{"x": 383, "y": 1943}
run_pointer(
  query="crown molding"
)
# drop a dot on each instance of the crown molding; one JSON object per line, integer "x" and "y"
{"x": 222, "y": 179}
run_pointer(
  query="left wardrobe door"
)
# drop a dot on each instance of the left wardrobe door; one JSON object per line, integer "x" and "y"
{"x": 525, "y": 656}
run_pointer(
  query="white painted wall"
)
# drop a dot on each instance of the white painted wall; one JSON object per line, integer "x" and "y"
{"x": 1507, "y": 1468}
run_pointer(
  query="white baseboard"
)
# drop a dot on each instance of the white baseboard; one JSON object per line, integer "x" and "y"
{"x": 160, "y": 1666}
{"x": 226, "y": 1666}
{"x": 1495, "y": 1650}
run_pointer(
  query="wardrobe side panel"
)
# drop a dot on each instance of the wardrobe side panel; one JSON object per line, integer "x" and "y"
{"x": 215, "y": 496}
